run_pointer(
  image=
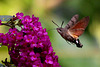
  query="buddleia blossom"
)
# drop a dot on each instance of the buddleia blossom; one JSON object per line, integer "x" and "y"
{"x": 0, "y": 22}
{"x": 30, "y": 45}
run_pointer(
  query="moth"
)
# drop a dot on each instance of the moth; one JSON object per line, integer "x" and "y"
{"x": 73, "y": 29}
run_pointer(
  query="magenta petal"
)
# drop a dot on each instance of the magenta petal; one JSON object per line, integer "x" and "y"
{"x": 30, "y": 45}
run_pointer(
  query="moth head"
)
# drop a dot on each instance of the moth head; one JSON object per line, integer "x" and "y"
{"x": 59, "y": 29}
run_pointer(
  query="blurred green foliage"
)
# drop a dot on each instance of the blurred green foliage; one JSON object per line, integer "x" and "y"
{"x": 59, "y": 10}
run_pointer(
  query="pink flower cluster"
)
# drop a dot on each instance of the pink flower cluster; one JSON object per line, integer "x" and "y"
{"x": 29, "y": 46}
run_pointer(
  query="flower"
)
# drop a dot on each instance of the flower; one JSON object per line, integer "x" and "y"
{"x": 30, "y": 46}
{"x": 0, "y": 22}
{"x": 19, "y": 15}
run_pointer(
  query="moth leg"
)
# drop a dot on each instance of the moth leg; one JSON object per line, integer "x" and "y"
{"x": 68, "y": 42}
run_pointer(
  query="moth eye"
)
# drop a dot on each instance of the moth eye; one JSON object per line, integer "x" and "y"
{"x": 59, "y": 31}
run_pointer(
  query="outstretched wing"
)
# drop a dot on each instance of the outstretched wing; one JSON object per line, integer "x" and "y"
{"x": 5, "y": 17}
{"x": 72, "y": 22}
{"x": 78, "y": 29}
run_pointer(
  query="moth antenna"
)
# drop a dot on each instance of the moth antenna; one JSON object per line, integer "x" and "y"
{"x": 62, "y": 23}
{"x": 55, "y": 23}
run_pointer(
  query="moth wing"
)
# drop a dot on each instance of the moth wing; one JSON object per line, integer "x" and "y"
{"x": 78, "y": 29}
{"x": 72, "y": 22}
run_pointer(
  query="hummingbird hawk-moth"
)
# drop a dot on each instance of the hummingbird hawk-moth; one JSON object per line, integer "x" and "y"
{"x": 73, "y": 29}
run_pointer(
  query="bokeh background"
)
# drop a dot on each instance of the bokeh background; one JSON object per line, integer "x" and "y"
{"x": 58, "y": 11}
